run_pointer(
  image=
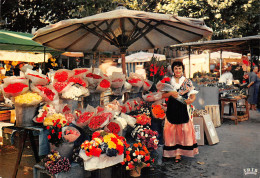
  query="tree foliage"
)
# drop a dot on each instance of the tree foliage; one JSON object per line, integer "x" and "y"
{"x": 227, "y": 18}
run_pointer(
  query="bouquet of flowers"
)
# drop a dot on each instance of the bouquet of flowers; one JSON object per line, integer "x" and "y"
{"x": 80, "y": 71}
{"x": 62, "y": 75}
{"x": 147, "y": 85}
{"x": 137, "y": 156}
{"x": 156, "y": 70}
{"x": 47, "y": 92}
{"x": 117, "y": 80}
{"x": 100, "y": 120}
{"x": 27, "y": 99}
{"x": 143, "y": 119}
{"x": 164, "y": 85}
{"x": 146, "y": 136}
{"x": 104, "y": 143}
{"x": 36, "y": 77}
{"x": 54, "y": 163}
{"x": 158, "y": 111}
{"x": 103, "y": 85}
{"x": 84, "y": 117}
{"x": 43, "y": 112}
{"x": 14, "y": 86}
{"x": 78, "y": 80}
{"x": 74, "y": 92}
{"x": 152, "y": 96}
{"x": 136, "y": 80}
{"x": 70, "y": 134}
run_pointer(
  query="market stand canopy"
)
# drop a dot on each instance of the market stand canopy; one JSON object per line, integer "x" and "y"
{"x": 17, "y": 41}
{"x": 240, "y": 45}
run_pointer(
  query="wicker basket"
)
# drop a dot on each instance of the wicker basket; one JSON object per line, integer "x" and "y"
{"x": 5, "y": 115}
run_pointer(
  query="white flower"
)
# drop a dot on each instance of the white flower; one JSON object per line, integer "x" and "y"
{"x": 154, "y": 137}
{"x": 134, "y": 154}
{"x": 142, "y": 134}
{"x": 156, "y": 141}
{"x": 139, "y": 157}
{"x": 146, "y": 135}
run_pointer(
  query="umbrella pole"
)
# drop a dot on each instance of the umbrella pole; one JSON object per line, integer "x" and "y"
{"x": 44, "y": 64}
{"x": 123, "y": 62}
{"x": 220, "y": 66}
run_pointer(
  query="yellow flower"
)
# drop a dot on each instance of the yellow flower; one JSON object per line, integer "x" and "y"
{"x": 28, "y": 98}
{"x": 111, "y": 145}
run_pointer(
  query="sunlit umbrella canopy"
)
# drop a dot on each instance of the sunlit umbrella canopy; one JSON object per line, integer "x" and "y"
{"x": 142, "y": 57}
{"x": 121, "y": 29}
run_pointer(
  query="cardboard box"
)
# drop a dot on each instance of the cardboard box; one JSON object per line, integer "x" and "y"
{"x": 199, "y": 129}
{"x": 210, "y": 130}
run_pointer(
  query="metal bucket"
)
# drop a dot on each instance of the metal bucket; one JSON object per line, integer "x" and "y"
{"x": 93, "y": 100}
{"x": 24, "y": 115}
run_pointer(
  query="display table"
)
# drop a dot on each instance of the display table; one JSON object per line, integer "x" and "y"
{"x": 23, "y": 133}
{"x": 235, "y": 116}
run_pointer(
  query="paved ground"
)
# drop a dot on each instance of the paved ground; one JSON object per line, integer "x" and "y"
{"x": 238, "y": 149}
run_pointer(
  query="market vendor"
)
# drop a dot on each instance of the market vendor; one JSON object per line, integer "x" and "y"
{"x": 252, "y": 99}
{"x": 227, "y": 76}
{"x": 179, "y": 134}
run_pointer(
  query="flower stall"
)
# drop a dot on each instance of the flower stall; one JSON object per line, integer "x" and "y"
{"x": 86, "y": 133}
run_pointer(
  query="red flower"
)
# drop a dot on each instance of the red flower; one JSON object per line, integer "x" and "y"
{"x": 48, "y": 127}
{"x": 131, "y": 166}
{"x": 134, "y": 80}
{"x": 79, "y": 71}
{"x": 148, "y": 164}
{"x": 77, "y": 80}
{"x": 49, "y": 137}
{"x": 123, "y": 163}
{"x": 61, "y": 76}
{"x": 53, "y": 131}
{"x": 59, "y": 126}
{"x": 59, "y": 86}
{"x": 15, "y": 88}
{"x": 104, "y": 83}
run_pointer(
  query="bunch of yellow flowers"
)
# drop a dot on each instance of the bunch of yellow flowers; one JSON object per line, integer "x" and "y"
{"x": 28, "y": 98}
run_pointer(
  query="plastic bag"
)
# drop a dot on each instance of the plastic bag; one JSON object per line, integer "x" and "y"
{"x": 147, "y": 85}
{"x": 62, "y": 75}
{"x": 36, "y": 77}
{"x": 152, "y": 96}
{"x": 117, "y": 80}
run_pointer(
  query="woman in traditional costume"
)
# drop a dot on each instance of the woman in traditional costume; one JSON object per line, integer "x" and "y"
{"x": 179, "y": 134}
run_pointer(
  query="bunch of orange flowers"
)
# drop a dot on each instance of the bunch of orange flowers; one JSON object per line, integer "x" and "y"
{"x": 158, "y": 111}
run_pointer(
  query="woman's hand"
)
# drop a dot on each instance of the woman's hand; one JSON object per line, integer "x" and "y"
{"x": 188, "y": 101}
{"x": 174, "y": 94}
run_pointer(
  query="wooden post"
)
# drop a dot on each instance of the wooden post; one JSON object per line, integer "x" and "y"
{"x": 189, "y": 63}
{"x": 220, "y": 66}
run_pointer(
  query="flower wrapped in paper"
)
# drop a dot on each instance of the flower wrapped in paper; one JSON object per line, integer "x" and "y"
{"x": 143, "y": 119}
{"x": 62, "y": 86}
{"x": 14, "y": 86}
{"x": 55, "y": 119}
{"x": 79, "y": 80}
{"x": 26, "y": 106}
{"x": 48, "y": 93}
{"x": 114, "y": 106}
{"x": 79, "y": 72}
{"x": 117, "y": 80}
{"x": 146, "y": 136}
{"x": 94, "y": 78}
{"x": 100, "y": 120}
{"x": 158, "y": 110}
{"x": 129, "y": 119}
{"x": 136, "y": 80}
{"x": 70, "y": 134}
{"x": 46, "y": 110}
{"x": 147, "y": 85}
{"x": 114, "y": 127}
{"x": 85, "y": 117}
{"x": 36, "y": 77}
{"x": 164, "y": 85}
{"x": 103, "y": 85}
{"x": 152, "y": 96}
{"x": 104, "y": 150}
{"x": 62, "y": 75}
{"x": 74, "y": 92}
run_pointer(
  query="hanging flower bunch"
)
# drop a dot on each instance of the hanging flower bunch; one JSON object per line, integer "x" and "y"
{"x": 146, "y": 136}
{"x": 53, "y": 62}
{"x": 137, "y": 155}
{"x": 158, "y": 111}
{"x": 54, "y": 163}
{"x": 143, "y": 119}
{"x": 156, "y": 70}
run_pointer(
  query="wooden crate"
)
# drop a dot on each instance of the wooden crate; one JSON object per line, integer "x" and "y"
{"x": 5, "y": 115}
{"x": 213, "y": 111}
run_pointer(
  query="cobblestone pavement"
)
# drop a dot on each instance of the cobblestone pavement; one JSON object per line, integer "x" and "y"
{"x": 238, "y": 150}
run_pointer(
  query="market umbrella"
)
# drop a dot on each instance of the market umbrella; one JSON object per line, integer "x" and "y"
{"x": 121, "y": 29}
